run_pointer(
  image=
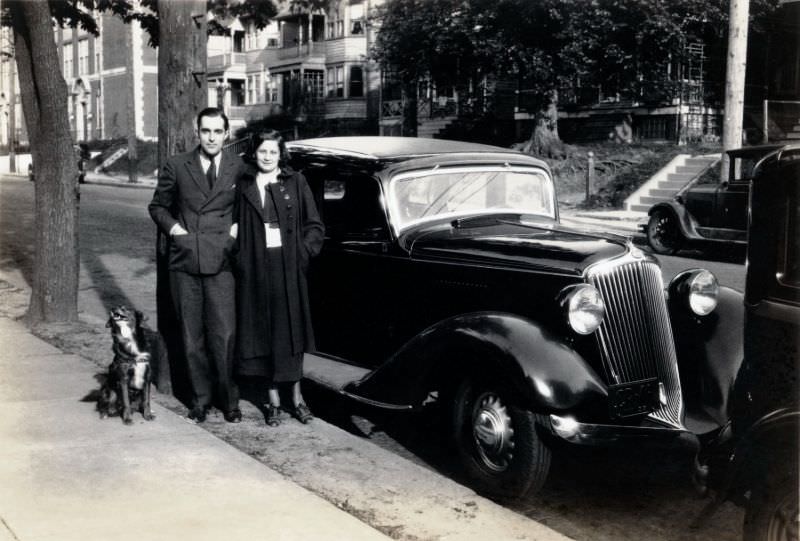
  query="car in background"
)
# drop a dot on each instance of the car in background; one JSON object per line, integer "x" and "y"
{"x": 707, "y": 210}
{"x": 81, "y": 153}
{"x": 753, "y": 460}
{"x": 447, "y": 283}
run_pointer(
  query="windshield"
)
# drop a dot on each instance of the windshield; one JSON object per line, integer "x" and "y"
{"x": 458, "y": 191}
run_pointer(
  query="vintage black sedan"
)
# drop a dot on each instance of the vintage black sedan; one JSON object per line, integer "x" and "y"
{"x": 447, "y": 278}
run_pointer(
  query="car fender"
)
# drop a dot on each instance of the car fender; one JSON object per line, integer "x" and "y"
{"x": 543, "y": 371}
{"x": 710, "y": 351}
{"x": 770, "y": 444}
{"x": 685, "y": 221}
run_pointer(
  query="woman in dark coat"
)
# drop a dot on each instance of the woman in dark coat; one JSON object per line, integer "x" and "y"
{"x": 279, "y": 230}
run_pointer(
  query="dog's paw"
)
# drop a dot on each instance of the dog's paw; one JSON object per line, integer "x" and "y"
{"x": 127, "y": 421}
{"x": 103, "y": 415}
{"x": 149, "y": 416}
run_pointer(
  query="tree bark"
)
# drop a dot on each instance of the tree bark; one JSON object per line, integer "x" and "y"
{"x": 182, "y": 93}
{"x": 544, "y": 140}
{"x": 182, "y": 85}
{"x": 54, "y": 287}
{"x": 410, "y": 120}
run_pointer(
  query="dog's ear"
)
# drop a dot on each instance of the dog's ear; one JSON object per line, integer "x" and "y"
{"x": 140, "y": 317}
{"x": 108, "y": 323}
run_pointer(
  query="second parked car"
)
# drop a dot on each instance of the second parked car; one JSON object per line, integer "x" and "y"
{"x": 707, "y": 210}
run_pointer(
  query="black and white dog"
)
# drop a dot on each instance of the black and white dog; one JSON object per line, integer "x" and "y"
{"x": 127, "y": 385}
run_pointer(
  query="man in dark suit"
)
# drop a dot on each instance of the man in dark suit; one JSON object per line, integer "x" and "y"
{"x": 193, "y": 205}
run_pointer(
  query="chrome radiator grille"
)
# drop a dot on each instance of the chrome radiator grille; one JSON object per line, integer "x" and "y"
{"x": 635, "y": 338}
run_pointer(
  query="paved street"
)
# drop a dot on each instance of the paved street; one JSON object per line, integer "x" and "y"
{"x": 599, "y": 497}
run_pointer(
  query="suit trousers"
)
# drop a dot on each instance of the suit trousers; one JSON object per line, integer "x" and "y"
{"x": 206, "y": 310}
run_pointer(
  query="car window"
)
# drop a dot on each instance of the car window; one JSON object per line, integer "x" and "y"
{"x": 431, "y": 194}
{"x": 352, "y": 207}
{"x": 789, "y": 261}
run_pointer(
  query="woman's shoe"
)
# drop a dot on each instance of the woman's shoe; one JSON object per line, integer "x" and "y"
{"x": 302, "y": 413}
{"x": 273, "y": 415}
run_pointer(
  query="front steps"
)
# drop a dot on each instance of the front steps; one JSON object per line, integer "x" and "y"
{"x": 665, "y": 183}
{"x": 432, "y": 127}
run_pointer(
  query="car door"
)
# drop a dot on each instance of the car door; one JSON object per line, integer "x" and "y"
{"x": 730, "y": 206}
{"x": 352, "y": 282}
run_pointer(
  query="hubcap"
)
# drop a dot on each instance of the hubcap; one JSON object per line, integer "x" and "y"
{"x": 663, "y": 232}
{"x": 493, "y": 433}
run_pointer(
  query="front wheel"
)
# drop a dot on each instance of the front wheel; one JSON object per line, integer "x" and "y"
{"x": 497, "y": 442}
{"x": 773, "y": 513}
{"x": 663, "y": 233}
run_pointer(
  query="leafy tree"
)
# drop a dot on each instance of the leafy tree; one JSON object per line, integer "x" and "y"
{"x": 548, "y": 45}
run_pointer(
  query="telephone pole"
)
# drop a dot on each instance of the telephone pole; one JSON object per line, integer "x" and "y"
{"x": 734, "y": 80}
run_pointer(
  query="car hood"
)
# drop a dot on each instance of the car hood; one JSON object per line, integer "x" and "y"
{"x": 545, "y": 247}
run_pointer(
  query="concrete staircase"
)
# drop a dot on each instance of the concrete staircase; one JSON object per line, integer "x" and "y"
{"x": 431, "y": 127}
{"x": 665, "y": 183}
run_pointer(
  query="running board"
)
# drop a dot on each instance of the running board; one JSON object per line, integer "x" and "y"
{"x": 335, "y": 374}
{"x": 331, "y": 373}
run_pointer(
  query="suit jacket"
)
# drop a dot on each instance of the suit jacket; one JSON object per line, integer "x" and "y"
{"x": 183, "y": 196}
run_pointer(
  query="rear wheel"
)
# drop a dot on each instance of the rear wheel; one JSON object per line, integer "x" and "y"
{"x": 663, "y": 232}
{"x": 773, "y": 513}
{"x": 497, "y": 441}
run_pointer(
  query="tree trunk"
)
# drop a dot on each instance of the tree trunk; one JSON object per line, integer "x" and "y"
{"x": 182, "y": 85}
{"x": 182, "y": 93}
{"x": 544, "y": 140}
{"x": 410, "y": 121}
{"x": 54, "y": 287}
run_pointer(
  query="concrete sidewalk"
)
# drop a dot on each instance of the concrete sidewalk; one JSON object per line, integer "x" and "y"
{"x": 66, "y": 474}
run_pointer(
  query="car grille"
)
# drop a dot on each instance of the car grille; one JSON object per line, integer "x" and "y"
{"x": 635, "y": 338}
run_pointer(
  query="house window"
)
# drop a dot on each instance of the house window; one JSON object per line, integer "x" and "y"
{"x": 68, "y": 73}
{"x": 271, "y": 90}
{"x": 83, "y": 57}
{"x": 335, "y": 26}
{"x": 238, "y": 41}
{"x": 356, "y": 18}
{"x": 356, "y": 89}
{"x": 254, "y": 94}
{"x": 335, "y": 85}
{"x": 312, "y": 85}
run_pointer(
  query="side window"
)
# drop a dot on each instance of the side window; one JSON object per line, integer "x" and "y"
{"x": 351, "y": 206}
{"x": 789, "y": 260}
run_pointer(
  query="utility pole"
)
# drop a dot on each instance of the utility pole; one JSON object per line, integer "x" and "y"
{"x": 734, "y": 81}
{"x": 133, "y": 158}
{"x": 12, "y": 116}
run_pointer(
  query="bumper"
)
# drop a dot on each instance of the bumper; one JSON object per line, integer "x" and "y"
{"x": 579, "y": 433}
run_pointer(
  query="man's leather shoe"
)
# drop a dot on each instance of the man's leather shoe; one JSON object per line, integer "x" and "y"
{"x": 233, "y": 416}
{"x": 198, "y": 414}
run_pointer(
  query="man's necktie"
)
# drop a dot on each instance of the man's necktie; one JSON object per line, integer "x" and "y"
{"x": 211, "y": 175}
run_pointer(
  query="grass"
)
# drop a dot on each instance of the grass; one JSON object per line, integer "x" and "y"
{"x": 619, "y": 170}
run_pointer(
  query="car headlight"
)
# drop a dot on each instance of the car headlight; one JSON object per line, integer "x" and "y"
{"x": 698, "y": 289}
{"x": 584, "y": 308}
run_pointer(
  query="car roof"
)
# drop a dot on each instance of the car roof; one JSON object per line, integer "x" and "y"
{"x": 396, "y": 148}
